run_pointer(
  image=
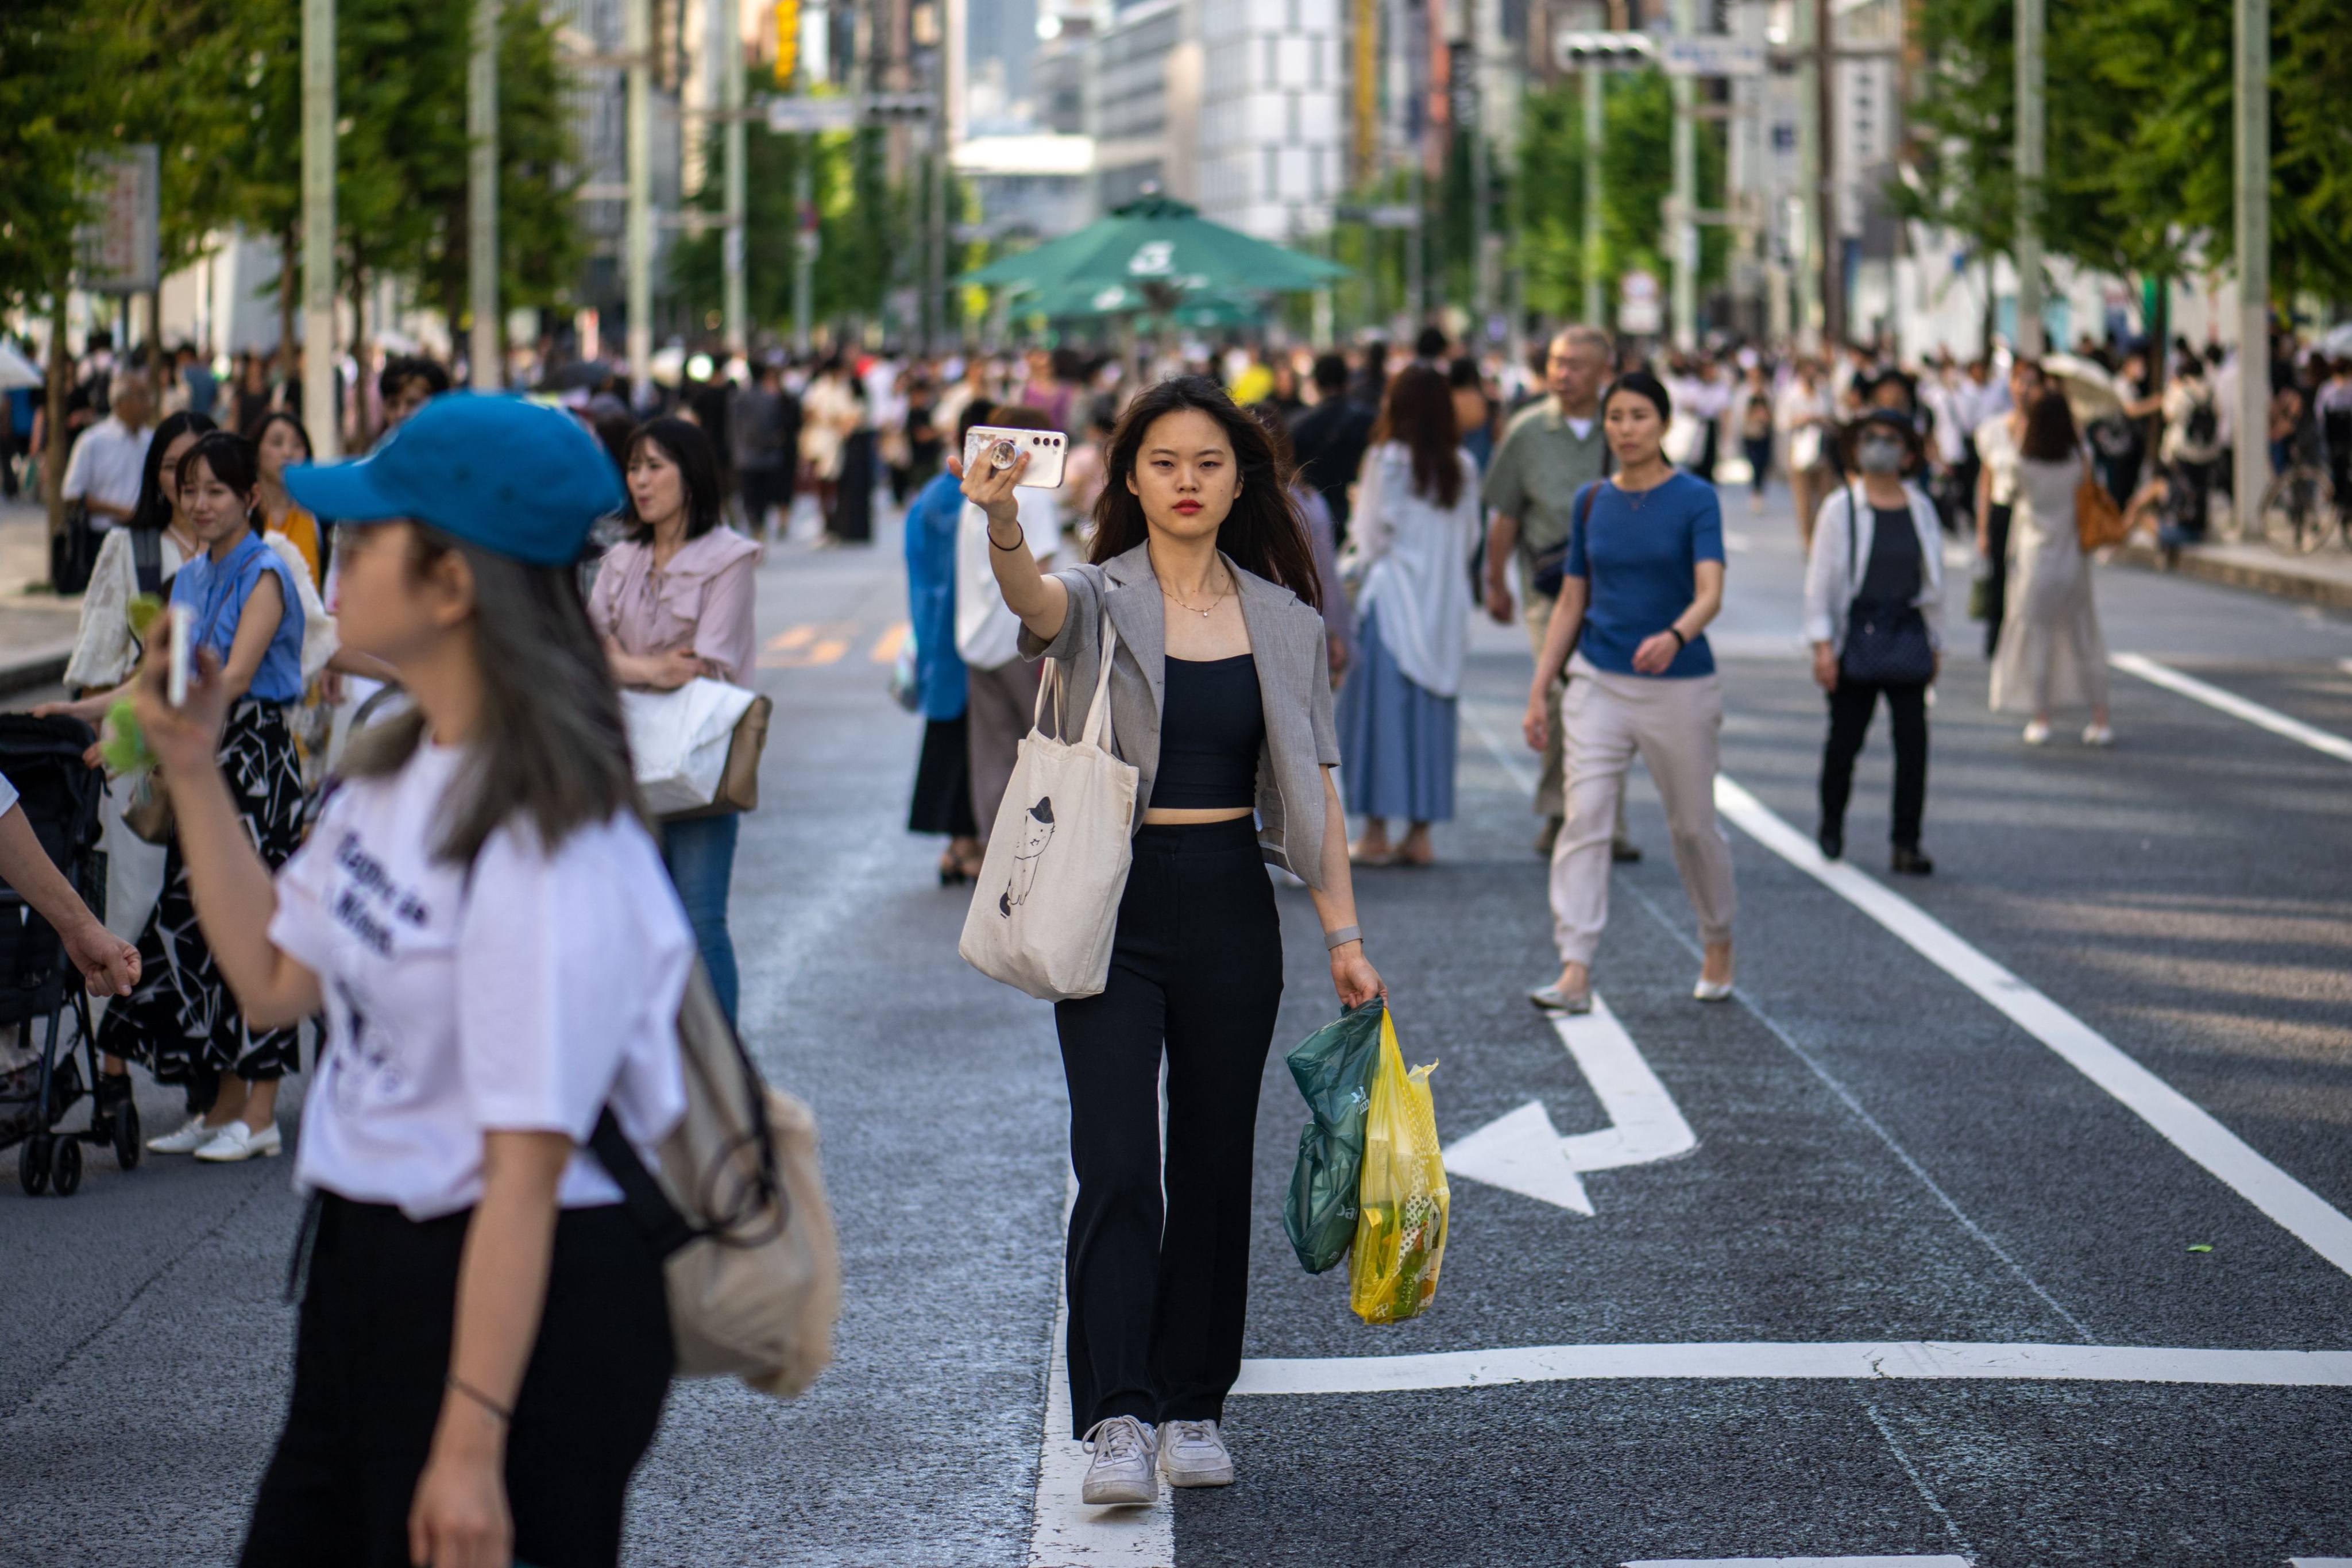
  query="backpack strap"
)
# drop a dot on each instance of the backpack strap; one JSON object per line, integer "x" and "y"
{"x": 665, "y": 1230}
{"x": 147, "y": 559}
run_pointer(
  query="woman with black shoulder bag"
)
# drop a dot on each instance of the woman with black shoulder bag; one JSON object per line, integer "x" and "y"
{"x": 1200, "y": 582}
{"x": 1875, "y": 614}
{"x": 484, "y": 1344}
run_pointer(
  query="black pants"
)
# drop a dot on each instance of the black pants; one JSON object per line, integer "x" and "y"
{"x": 1996, "y": 572}
{"x": 1157, "y": 1300}
{"x": 1850, "y": 706}
{"x": 371, "y": 1351}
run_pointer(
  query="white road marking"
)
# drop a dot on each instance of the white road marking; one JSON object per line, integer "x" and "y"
{"x": 1067, "y": 1533}
{"x": 1915, "y": 1359}
{"x": 1946, "y": 1561}
{"x": 2321, "y": 1562}
{"x": 1522, "y": 1153}
{"x": 2237, "y": 707}
{"x": 2182, "y": 1123}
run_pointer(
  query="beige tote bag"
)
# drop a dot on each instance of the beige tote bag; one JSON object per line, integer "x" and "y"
{"x": 1048, "y": 901}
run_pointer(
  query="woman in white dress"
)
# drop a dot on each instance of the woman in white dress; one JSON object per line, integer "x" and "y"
{"x": 2052, "y": 653}
{"x": 1415, "y": 528}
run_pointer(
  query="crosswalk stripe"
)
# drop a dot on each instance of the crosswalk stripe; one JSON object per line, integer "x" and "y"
{"x": 2237, "y": 707}
{"x": 885, "y": 650}
{"x": 791, "y": 639}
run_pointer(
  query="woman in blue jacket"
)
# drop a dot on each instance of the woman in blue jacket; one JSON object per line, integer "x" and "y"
{"x": 942, "y": 802}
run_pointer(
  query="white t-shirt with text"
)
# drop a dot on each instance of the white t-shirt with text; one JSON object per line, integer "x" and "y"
{"x": 523, "y": 998}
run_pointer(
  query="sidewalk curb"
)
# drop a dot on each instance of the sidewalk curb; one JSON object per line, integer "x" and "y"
{"x": 31, "y": 670}
{"x": 2280, "y": 581}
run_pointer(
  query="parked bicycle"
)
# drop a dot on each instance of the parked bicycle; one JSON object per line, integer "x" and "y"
{"x": 2303, "y": 509}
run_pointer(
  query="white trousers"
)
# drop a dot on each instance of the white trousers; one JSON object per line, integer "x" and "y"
{"x": 1675, "y": 726}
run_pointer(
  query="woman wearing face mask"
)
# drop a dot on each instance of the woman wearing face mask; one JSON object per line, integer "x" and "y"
{"x": 1220, "y": 697}
{"x": 484, "y": 1345}
{"x": 182, "y": 1022}
{"x": 674, "y": 602}
{"x": 1642, "y": 579}
{"x": 1878, "y": 565}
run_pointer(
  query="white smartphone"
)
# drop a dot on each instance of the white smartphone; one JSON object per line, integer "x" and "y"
{"x": 184, "y": 655}
{"x": 994, "y": 446}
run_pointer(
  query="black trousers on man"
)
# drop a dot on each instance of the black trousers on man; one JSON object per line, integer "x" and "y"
{"x": 1158, "y": 1296}
{"x": 1997, "y": 517}
{"x": 1850, "y": 706}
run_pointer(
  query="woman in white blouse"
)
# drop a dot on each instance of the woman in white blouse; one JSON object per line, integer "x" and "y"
{"x": 1411, "y": 534}
{"x": 484, "y": 1343}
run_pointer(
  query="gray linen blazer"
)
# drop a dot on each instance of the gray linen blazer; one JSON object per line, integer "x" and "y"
{"x": 1294, "y": 683}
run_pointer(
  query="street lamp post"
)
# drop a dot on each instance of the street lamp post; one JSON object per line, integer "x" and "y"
{"x": 1595, "y": 126}
{"x": 482, "y": 198}
{"x": 318, "y": 228}
{"x": 2253, "y": 470}
{"x": 636, "y": 43}
{"x": 2032, "y": 139}
{"x": 735, "y": 312}
{"x": 1682, "y": 229}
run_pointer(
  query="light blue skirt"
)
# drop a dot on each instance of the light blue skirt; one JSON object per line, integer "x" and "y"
{"x": 1397, "y": 741}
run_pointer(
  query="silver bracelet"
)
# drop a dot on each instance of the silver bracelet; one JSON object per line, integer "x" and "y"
{"x": 1335, "y": 939}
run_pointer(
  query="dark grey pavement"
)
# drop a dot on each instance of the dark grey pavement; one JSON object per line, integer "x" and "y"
{"x": 1882, "y": 1156}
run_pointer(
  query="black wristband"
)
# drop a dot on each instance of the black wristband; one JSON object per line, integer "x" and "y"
{"x": 1676, "y": 633}
{"x": 478, "y": 1398}
{"x": 1019, "y": 538}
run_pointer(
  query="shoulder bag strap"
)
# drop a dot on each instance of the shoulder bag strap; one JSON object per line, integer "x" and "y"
{"x": 664, "y": 1228}
{"x": 1097, "y": 731}
{"x": 1049, "y": 686}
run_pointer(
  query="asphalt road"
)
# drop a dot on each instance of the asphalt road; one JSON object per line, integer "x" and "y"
{"x": 2114, "y": 1027}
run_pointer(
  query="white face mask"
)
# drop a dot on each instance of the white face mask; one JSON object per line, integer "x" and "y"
{"x": 1877, "y": 457}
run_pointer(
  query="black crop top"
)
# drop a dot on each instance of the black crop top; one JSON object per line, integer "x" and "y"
{"x": 1211, "y": 726}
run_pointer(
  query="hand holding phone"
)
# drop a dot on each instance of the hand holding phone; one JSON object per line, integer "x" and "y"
{"x": 987, "y": 447}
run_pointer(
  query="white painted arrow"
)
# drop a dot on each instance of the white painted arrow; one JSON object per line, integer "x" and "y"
{"x": 1523, "y": 1153}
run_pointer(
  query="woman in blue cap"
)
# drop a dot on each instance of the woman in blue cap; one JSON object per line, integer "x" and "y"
{"x": 484, "y": 1342}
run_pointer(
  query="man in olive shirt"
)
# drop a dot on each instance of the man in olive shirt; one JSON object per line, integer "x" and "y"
{"x": 1552, "y": 449}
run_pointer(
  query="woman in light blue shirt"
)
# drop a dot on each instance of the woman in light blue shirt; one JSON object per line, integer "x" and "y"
{"x": 181, "y": 1022}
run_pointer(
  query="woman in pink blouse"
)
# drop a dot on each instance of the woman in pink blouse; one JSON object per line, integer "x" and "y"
{"x": 674, "y": 602}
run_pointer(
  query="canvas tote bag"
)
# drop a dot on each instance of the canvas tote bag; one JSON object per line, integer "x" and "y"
{"x": 1047, "y": 899}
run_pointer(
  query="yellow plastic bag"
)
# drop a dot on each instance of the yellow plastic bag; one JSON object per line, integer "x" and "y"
{"x": 1400, "y": 1222}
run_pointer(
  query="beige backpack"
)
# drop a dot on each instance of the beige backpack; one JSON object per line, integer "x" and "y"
{"x": 737, "y": 1213}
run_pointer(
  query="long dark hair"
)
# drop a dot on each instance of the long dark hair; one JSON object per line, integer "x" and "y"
{"x": 552, "y": 745}
{"x": 1262, "y": 533}
{"x": 153, "y": 509}
{"x": 279, "y": 417}
{"x": 2050, "y": 434}
{"x": 688, "y": 444}
{"x": 1419, "y": 411}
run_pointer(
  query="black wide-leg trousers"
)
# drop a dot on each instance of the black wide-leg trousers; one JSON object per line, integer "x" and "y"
{"x": 1159, "y": 1291}
{"x": 1850, "y": 706}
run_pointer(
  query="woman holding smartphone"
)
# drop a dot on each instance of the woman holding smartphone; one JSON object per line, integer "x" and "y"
{"x": 483, "y": 1347}
{"x": 1220, "y": 697}
{"x": 181, "y": 1022}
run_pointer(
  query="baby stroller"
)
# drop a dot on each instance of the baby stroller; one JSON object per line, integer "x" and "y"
{"x": 59, "y": 795}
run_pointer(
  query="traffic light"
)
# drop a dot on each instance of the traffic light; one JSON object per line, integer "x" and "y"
{"x": 1610, "y": 51}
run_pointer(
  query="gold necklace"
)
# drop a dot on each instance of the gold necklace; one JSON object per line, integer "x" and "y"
{"x": 1204, "y": 615}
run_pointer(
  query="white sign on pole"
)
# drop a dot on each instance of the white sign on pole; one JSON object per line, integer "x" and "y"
{"x": 118, "y": 245}
{"x": 1711, "y": 54}
{"x": 791, "y": 115}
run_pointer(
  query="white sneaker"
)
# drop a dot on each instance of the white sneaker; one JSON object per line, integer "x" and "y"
{"x": 237, "y": 1141}
{"x": 1123, "y": 1470}
{"x": 1193, "y": 1454}
{"x": 192, "y": 1136}
{"x": 2037, "y": 733}
{"x": 1711, "y": 990}
{"x": 2098, "y": 735}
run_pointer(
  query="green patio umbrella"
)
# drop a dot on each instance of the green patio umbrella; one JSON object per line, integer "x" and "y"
{"x": 1162, "y": 249}
{"x": 1075, "y": 301}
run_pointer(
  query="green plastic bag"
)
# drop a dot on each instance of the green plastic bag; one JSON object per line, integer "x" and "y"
{"x": 1333, "y": 1067}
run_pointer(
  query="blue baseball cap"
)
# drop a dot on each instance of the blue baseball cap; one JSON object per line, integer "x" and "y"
{"x": 509, "y": 476}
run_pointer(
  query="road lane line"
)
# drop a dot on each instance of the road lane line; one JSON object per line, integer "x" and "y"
{"x": 1946, "y": 1561}
{"x": 1065, "y": 1532}
{"x": 1896, "y": 1361}
{"x": 791, "y": 639}
{"x": 886, "y": 649}
{"x": 2237, "y": 707}
{"x": 2182, "y": 1121}
{"x": 1918, "y": 1482}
